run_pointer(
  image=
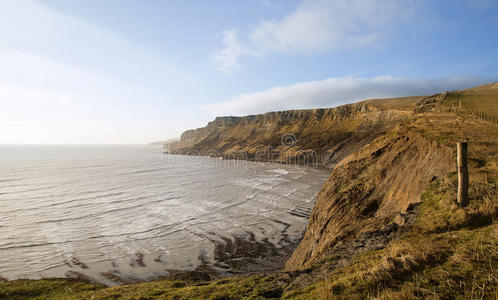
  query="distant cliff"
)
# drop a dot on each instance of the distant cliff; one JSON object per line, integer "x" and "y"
{"x": 166, "y": 142}
{"x": 315, "y": 136}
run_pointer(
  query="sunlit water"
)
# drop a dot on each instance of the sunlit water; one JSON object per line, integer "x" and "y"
{"x": 101, "y": 205}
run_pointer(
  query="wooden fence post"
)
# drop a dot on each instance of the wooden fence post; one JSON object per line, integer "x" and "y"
{"x": 463, "y": 174}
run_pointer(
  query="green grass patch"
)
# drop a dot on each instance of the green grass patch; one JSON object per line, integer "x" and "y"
{"x": 46, "y": 289}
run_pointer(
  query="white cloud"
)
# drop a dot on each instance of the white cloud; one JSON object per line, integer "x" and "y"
{"x": 336, "y": 91}
{"x": 228, "y": 58}
{"x": 317, "y": 26}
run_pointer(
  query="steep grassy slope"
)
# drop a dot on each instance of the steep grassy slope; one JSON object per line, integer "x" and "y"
{"x": 385, "y": 225}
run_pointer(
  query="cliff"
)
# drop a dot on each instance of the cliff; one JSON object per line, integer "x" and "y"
{"x": 370, "y": 189}
{"x": 317, "y": 136}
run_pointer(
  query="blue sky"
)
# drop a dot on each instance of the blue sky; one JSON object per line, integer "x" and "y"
{"x": 122, "y": 71}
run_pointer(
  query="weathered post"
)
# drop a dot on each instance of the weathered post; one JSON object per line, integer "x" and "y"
{"x": 463, "y": 174}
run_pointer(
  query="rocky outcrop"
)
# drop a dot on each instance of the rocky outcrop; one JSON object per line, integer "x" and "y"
{"x": 431, "y": 103}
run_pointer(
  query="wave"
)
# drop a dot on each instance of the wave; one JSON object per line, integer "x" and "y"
{"x": 280, "y": 171}
{"x": 10, "y": 180}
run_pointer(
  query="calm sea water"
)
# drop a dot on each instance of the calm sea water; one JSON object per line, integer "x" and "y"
{"x": 94, "y": 209}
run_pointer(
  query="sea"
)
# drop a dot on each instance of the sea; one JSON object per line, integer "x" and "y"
{"x": 132, "y": 210}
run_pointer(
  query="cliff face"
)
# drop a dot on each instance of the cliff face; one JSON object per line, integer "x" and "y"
{"x": 296, "y": 136}
{"x": 370, "y": 189}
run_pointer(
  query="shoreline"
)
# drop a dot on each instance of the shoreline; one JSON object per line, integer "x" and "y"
{"x": 316, "y": 166}
{"x": 242, "y": 255}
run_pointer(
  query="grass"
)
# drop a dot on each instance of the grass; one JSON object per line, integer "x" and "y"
{"x": 251, "y": 287}
{"x": 482, "y": 104}
{"x": 247, "y": 287}
{"x": 46, "y": 289}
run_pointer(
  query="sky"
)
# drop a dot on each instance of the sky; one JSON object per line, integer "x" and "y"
{"x": 123, "y": 71}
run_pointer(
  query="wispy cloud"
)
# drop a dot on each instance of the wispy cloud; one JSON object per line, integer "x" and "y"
{"x": 228, "y": 58}
{"x": 318, "y": 26}
{"x": 336, "y": 91}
